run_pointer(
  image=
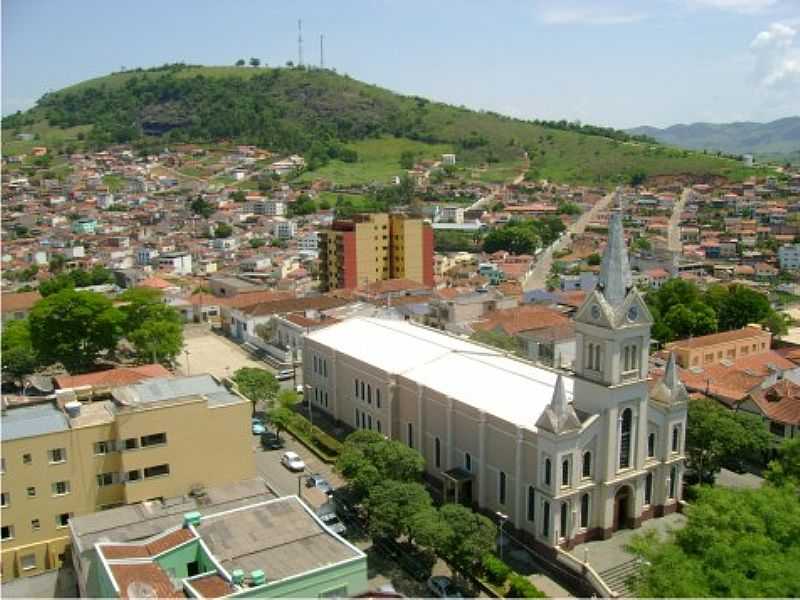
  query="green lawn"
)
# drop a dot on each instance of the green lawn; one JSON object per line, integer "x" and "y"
{"x": 501, "y": 172}
{"x": 378, "y": 161}
{"x": 44, "y": 136}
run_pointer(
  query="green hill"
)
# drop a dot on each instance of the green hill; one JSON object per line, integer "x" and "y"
{"x": 326, "y": 116}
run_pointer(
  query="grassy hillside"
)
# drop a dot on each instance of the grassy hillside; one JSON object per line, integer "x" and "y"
{"x": 325, "y": 115}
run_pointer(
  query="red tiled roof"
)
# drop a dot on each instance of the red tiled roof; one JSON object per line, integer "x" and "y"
{"x": 211, "y": 586}
{"x": 155, "y": 283}
{"x": 780, "y": 402}
{"x": 117, "y": 552}
{"x": 144, "y": 573}
{"x": 113, "y": 377}
{"x": 521, "y": 318}
{"x": 717, "y": 338}
{"x": 14, "y": 302}
{"x": 171, "y": 540}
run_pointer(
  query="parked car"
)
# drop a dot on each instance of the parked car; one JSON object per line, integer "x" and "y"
{"x": 271, "y": 441}
{"x": 318, "y": 481}
{"x": 284, "y": 374}
{"x": 333, "y": 523}
{"x": 292, "y": 461}
{"x": 257, "y": 426}
{"x": 442, "y": 587}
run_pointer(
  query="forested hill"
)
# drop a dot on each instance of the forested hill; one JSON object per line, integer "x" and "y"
{"x": 302, "y": 110}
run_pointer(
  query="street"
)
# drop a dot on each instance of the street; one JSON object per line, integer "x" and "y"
{"x": 674, "y": 235}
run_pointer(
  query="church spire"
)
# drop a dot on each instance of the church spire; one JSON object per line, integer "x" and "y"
{"x": 615, "y": 272}
{"x": 671, "y": 379}
{"x": 559, "y": 415}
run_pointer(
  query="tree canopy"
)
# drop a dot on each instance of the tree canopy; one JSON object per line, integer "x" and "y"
{"x": 18, "y": 355}
{"x": 524, "y": 237}
{"x": 259, "y": 385}
{"x": 154, "y": 329}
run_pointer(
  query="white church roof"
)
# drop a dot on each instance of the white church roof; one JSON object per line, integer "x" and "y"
{"x": 480, "y": 377}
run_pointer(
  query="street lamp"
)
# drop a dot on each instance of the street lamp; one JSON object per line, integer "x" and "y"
{"x": 186, "y": 352}
{"x": 307, "y": 388}
{"x": 501, "y": 520}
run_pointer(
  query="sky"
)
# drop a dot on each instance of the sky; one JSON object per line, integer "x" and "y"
{"x": 618, "y": 63}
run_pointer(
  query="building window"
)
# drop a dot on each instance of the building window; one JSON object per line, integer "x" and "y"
{"x": 369, "y": 394}
{"x": 60, "y": 488}
{"x": 502, "y": 488}
{"x": 676, "y": 435}
{"x": 358, "y": 418}
{"x": 131, "y": 444}
{"x": 156, "y": 471}
{"x": 546, "y": 519}
{"x": 154, "y": 439}
{"x": 625, "y": 439}
{"x": 35, "y": 525}
{"x": 27, "y": 562}
{"x": 7, "y": 532}
{"x": 104, "y": 479}
{"x": 324, "y": 368}
{"x": 648, "y": 489}
{"x": 587, "y": 465}
{"x": 369, "y": 422}
{"x": 590, "y": 357}
{"x": 31, "y": 491}
{"x": 673, "y": 476}
{"x": 105, "y": 447}
{"x": 585, "y": 511}
{"x": 356, "y": 384}
{"x": 437, "y": 452}
{"x": 315, "y": 364}
{"x": 651, "y": 445}
{"x": 778, "y": 429}
{"x": 378, "y": 425}
{"x": 2, "y": 465}
{"x": 563, "y": 524}
{"x": 62, "y": 520}
{"x": 531, "y": 503}
{"x": 377, "y": 397}
{"x": 26, "y": 459}
{"x": 597, "y": 358}
{"x": 410, "y": 433}
{"x": 468, "y": 461}
{"x": 362, "y": 390}
{"x": 565, "y": 472}
{"x": 57, "y": 455}
{"x": 134, "y": 475}
{"x": 548, "y": 468}
{"x": 5, "y": 498}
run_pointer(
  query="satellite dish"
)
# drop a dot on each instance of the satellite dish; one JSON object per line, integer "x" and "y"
{"x": 140, "y": 589}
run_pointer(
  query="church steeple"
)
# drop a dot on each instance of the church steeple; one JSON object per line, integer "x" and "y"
{"x": 615, "y": 279}
{"x": 559, "y": 415}
{"x": 670, "y": 389}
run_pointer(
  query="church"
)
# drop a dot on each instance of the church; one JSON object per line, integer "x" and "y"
{"x": 566, "y": 456}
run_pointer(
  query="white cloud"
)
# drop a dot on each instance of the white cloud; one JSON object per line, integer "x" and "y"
{"x": 777, "y": 58}
{"x": 739, "y": 6}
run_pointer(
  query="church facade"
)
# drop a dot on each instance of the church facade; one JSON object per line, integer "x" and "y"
{"x": 566, "y": 456}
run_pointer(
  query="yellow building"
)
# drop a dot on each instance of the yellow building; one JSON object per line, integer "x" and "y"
{"x": 155, "y": 439}
{"x": 374, "y": 247}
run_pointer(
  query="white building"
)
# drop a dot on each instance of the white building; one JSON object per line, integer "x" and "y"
{"x": 229, "y": 243}
{"x": 448, "y": 159}
{"x": 284, "y": 229}
{"x": 452, "y": 214}
{"x": 789, "y": 257}
{"x": 146, "y": 255}
{"x": 309, "y": 241}
{"x": 270, "y": 208}
{"x": 179, "y": 263}
{"x": 568, "y": 456}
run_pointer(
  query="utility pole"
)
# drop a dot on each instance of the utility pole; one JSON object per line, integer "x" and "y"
{"x": 321, "y": 51}
{"x": 299, "y": 42}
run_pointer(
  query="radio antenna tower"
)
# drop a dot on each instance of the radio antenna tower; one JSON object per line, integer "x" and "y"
{"x": 299, "y": 42}
{"x": 321, "y": 51}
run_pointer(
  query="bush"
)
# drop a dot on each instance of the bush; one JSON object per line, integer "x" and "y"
{"x": 496, "y": 570}
{"x": 522, "y": 588}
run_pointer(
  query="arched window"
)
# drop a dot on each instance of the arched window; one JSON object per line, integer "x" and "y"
{"x": 531, "y": 503}
{"x": 547, "y": 471}
{"x": 598, "y": 366}
{"x": 546, "y": 519}
{"x": 362, "y": 391}
{"x": 563, "y": 525}
{"x": 438, "y": 452}
{"x": 676, "y": 435}
{"x": 673, "y": 476}
{"x": 590, "y": 357}
{"x": 651, "y": 445}
{"x": 369, "y": 394}
{"x": 585, "y": 510}
{"x": 502, "y": 488}
{"x": 648, "y": 488}
{"x": 625, "y": 439}
{"x": 565, "y": 472}
{"x": 587, "y": 464}
{"x": 634, "y": 357}
{"x": 468, "y": 461}
{"x": 626, "y": 363}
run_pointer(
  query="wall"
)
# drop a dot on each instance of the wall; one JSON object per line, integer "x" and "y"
{"x": 352, "y": 575}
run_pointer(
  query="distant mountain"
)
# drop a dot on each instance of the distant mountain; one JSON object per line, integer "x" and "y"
{"x": 774, "y": 140}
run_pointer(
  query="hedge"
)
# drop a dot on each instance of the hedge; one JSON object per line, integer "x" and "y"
{"x": 522, "y": 588}
{"x": 496, "y": 570}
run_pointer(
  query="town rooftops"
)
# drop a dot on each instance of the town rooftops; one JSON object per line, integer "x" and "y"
{"x": 113, "y": 377}
{"x": 468, "y": 372}
{"x": 30, "y": 421}
{"x": 718, "y": 338}
{"x": 521, "y": 318}
{"x": 780, "y": 402}
{"x": 165, "y": 389}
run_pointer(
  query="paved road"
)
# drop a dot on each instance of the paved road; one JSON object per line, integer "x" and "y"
{"x": 538, "y": 277}
{"x": 674, "y": 232}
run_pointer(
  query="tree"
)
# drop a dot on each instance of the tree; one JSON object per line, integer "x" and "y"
{"x": 222, "y": 230}
{"x": 55, "y": 284}
{"x": 741, "y": 307}
{"x": 428, "y": 530}
{"x": 407, "y": 159}
{"x": 74, "y": 328}
{"x": 391, "y": 506}
{"x": 238, "y": 196}
{"x": 255, "y": 62}
{"x": 637, "y": 178}
{"x": 473, "y": 536}
{"x": 240, "y": 62}
{"x": 200, "y": 206}
{"x": 785, "y": 469}
{"x": 777, "y": 323}
{"x": 56, "y": 264}
{"x": 141, "y": 304}
{"x": 594, "y": 260}
{"x": 18, "y": 356}
{"x": 258, "y": 242}
{"x": 281, "y": 418}
{"x": 157, "y": 340}
{"x": 696, "y": 319}
{"x": 716, "y": 436}
{"x": 259, "y": 385}
{"x": 736, "y": 543}
{"x": 304, "y": 205}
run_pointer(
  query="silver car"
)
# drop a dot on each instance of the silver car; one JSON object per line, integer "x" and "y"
{"x": 292, "y": 461}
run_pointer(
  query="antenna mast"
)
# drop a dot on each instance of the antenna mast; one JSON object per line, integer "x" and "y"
{"x": 300, "y": 42}
{"x": 321, "y": 51}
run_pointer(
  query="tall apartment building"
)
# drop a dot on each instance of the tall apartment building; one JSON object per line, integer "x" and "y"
{"x": 155, "y": 439}
{"x": 374, "y": 247}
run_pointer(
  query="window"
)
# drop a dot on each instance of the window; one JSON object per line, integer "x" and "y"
{"x": 2, "y": 465}
{"x": 154, "y": 439}
{"x": 362, "y": 391}
{"x": 563, "y": 524}
{"x": 585, "y": 511}
{"x": 35, "y": 525}
{"x": 410, "y": 435}
{"x": 676, "y": 435}
{"x": 26, "y": 459}
{"x": 156, "y": 471}
{"x": 7, "y": 532}
{"x": 501, "y": 492}
{"x": 134, "y": 475}
{"x": 356, "y": 384}
{"x": 546, "y": 519}
{"x": 778, "y": 429}
{"x": 62, "y": 520}
{"x": 31, "y": 492}
{"x": 369, "y": 394}
{"x": 648, "y": 489}
{"x": 324, "y": 368}
{"x": 131, "y": 444}
{"x": 60, "y": 488}
{"x": 626, "y": 424}
{"x": 27, "y": 562}
{"x": 377, "y": 397}
{"x": 597, "y": 357}
{"x": 358, "y": 418}
{"x": 104, "y": 479}
{"x": 565, "y": 472}
{"x": 338, "y": 592}
{"x": 326, "y": 399}
{"x": 315, "y": 364}
{"x": 57, "y": 455}
{"x": 437, "y": 447}
{"x": 369, "y": 422}
{"x": 590, "y": 357}
{"x": 468, "y": 461}
{"x": 673, "y": 475}
{"x": 531, "y": 503}
{"x": 378, "y": 425}
{"x": 651, "y": 445}
{"x": 548, "y": 467}
{"x": 105, "y": 447}
{"x": 587, "y": 465}
{"x": 5, "y": 498}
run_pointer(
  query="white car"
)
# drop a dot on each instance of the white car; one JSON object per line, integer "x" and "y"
{"x": 292, "y": 461}
{"x": 284, "y": 374}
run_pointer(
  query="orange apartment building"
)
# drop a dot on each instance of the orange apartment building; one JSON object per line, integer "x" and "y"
{"x": 374, "y": 247}
{"x": 728, "y": 345}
